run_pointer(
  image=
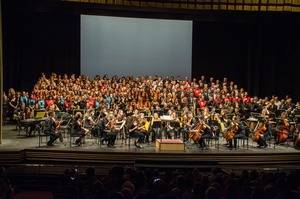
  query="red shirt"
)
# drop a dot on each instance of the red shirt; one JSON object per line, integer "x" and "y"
{"x": 218, "y": 100}
{"x": 246, "y": 99}
{"x": 49, "y": 102}
{"x": 197, "y": 92}
{"x": 67, "y": 104}
{"x": 236, "y": 99}
{"x": 202, "y": 103}
{"x": 90, "y": 103}
{"x": 227, "y": 99}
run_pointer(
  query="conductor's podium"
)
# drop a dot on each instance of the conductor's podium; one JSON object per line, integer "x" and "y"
{"x": 169, "y": 145}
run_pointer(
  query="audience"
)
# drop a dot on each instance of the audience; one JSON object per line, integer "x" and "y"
{"x": 130, "y": 183}
{"x": 149, "y": 183}
{"x": 6, "y": 188}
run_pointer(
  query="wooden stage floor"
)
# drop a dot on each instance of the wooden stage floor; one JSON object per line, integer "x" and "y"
{"x": 21, "y": 150}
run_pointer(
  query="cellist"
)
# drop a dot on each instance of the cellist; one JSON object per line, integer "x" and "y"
{"x": 206, "y": 133}
{"x": 230, "y": 133}
{"x": 258, "y": 134}
{"x": 282, "y": 133}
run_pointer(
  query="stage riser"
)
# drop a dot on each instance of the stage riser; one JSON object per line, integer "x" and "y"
{"x": 51, "y": 159}
{"x": 47, "y": 169}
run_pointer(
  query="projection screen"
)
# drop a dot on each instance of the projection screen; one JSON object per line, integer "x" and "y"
{"x": 135, "y": 46}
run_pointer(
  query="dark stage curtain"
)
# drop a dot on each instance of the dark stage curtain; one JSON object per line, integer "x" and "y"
{"x": 260, "y": 53}
{"x": 36, "y": 42}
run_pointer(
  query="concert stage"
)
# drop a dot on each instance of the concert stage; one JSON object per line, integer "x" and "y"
{"x": 18, "y": 151}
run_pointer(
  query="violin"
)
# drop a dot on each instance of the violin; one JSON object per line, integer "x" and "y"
{"x": 57, "y": 124}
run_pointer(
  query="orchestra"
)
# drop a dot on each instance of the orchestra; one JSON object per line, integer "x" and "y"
{"x": 148, "y": 108}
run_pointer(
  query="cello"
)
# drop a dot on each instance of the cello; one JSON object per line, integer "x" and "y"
{"x": 283, "y": 133}
{"x": 196, "y": 133}
{"x": 297, "y": 138}
{"x": 229, "y": 135}
{"x": 257, "y": 135}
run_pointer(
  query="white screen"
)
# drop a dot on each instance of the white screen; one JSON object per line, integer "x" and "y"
{"x": 135, "y": 46}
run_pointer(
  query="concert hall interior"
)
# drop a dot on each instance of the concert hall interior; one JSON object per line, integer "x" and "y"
{"x": 150, "y": 99}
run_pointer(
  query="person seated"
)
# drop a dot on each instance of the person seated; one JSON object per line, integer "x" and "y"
{"x": 51, "y": 129}
{"x": 101, "y": 126}
{"x": 283, "y": 130}
{"x": 111, "y": 135}
{"x": 240, "y": 132}
{"x": 120, "y": 123}
{"x": 206, "y": 133}
{"x": 136, "y": 131}
{"x": 28, "y": 114}
{"x": 232, "y": 129}
{"x": 78, "y": 127}
{"x": 260, "y": 134}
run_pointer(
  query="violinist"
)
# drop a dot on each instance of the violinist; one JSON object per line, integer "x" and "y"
{"x": 188, "y": 122}
{"x": 213, "y": 122}
{"x": 111, "y": 130}
{"x": 206, "y": 133}
{"x": 51, "y": 129}
{"x": 241, "y": 132}
{"x": 120, "y": 122}
{"x": 265, "y": 111}
{"x": 136, "y": 131}
{"x": 144, "y": 126}
{"x": 78, "y": 127}
{"x": 88, "y": 121}
{"x": 101, "y": 124}
{"x": 221, "y": 124}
